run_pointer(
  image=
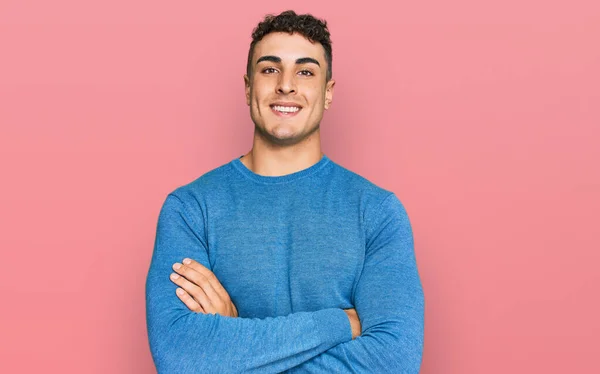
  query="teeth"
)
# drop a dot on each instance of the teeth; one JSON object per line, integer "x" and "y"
{"x": 287, "y": 109}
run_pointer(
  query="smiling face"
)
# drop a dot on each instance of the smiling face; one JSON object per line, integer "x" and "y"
{"x": 288, "y": 91}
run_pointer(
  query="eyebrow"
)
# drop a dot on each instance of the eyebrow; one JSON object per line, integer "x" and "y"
{"x": 302, "y": 60}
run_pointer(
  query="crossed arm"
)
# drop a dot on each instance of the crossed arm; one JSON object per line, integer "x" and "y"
{"x": 201, "y": 291}
{"x": 204, "y": 333}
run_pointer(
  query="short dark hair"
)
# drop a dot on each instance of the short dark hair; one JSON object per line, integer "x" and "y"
{"x": 311, "y": 28}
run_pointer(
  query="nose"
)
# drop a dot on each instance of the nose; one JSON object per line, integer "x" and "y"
{"x": 286, "y": 83}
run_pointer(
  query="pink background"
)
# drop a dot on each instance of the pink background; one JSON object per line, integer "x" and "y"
{"x": 483, "y": 118}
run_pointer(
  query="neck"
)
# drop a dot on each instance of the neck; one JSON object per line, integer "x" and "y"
{"x": 269, "y": 160}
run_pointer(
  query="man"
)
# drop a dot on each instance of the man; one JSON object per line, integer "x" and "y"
{"x": 282, "y": 260}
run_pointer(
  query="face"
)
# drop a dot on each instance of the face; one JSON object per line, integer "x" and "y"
{"x": 288, "y": 90}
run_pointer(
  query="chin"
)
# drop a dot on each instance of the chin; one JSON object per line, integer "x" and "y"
{"x": 295, "y": 137}
{"x": 286, "y": 137}
{"x": 279, "y": 137}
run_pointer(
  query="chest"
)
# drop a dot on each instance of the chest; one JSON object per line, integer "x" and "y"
{"x": 278, "y": 261}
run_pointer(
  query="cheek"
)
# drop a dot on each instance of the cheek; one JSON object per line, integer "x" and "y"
{"x": 255, "y": 96}
{"x": 260, "y": 97}
{"x": 262, "y": 86}
{"x": 317, "y": 98}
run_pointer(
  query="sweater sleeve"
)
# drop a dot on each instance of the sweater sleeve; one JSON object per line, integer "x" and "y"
{"x": 182, "y": 341}
{"x": 389, "y": 301}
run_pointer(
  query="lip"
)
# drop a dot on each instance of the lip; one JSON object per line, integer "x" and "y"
{"x": 285, "y": 103}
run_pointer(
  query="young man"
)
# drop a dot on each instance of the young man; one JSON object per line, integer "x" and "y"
{"x": 282, "y": 260}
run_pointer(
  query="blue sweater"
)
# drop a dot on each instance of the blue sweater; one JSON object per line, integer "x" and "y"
{"x": 292, "y": 251}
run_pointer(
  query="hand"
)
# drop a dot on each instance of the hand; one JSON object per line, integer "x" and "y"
{"x": 200, "y": 289}
{"x": 354, "y": 322}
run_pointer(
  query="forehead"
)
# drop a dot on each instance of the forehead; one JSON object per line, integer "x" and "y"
{"x": 288, "y": 47}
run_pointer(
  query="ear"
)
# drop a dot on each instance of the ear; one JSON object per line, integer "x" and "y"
{"x": 247, "y": 88}
{"x": 329, "y": 93}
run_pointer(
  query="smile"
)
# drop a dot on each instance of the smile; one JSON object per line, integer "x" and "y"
{"x": 285, "y": 111}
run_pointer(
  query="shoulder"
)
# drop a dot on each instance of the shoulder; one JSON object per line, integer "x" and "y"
{"x": 192, "y": 197}
{"x": 379, "y": 205}
{"x": 204, "y": 185}
{"x": 356, "y": 186}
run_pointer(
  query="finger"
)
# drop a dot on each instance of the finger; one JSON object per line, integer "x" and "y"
{"x": 193, "y": 290}
{"x": 216, "y": 285}
{"x": 189, "y": 301}
{"x": 204, "y": 282}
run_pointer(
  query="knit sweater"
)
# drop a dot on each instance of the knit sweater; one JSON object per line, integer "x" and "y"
{"x": 292, "y": 252}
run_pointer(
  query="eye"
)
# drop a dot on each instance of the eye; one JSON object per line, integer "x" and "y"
{"x": 269, "y": 70}
{"x": 305, "y": 72}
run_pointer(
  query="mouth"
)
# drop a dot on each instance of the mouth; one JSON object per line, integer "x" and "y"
{"x": 285, "y": 109}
